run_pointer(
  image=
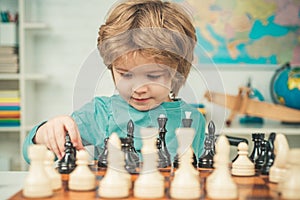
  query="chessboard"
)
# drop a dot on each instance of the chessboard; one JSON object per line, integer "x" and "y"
{"x": 249, "y": 188}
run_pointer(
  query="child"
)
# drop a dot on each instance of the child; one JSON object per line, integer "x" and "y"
{"x": 148, "y": 46}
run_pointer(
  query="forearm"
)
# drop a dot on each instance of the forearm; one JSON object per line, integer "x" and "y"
{"x": 29, "y": 140}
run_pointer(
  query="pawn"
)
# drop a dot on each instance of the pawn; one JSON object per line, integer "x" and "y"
{"x": 290, "y": 185}
{"x": 186, "y": 184}
{"x": 108, "y": 186}
{"x": 54, "y": 176}
{"x": 243, "y": 166}
{"x": 82, "y": 178}
{"x": 150, "y": 183}
{"x": 37, "y": 183}
{"x": 219, "y": 184}
{"x": 281, "y": 149}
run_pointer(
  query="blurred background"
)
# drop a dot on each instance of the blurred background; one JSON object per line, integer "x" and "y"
{"x": 49, "y": 64}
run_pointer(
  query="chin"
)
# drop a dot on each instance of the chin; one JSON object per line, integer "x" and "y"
{"x": 144, "y": 107}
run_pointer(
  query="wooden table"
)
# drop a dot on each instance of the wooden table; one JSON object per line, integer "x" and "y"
{"x": 249, "y": 188}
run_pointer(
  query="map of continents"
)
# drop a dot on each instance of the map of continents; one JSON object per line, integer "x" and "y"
{"x": 246, "y": 31}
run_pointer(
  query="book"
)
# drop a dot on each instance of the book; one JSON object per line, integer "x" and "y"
{"x": 9, "y": 108}
{"x": 10, "y": 114}
{"x": 9, "y": 59}
{"x": 4, "y": 50}
{"x": 10, "y": 100}
{"x": 9, "y": 93}
{"x": 9, "y": 122}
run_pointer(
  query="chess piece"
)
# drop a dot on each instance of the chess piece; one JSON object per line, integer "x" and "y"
{"x": 186, "y": 123}
{"x": 37, "y": 183}
{"x": 256, "y": 138}
{"x": 54, "y": 176}
{"x": 102, "y": 159}
{"x": 270, "y": 156}
{"x": 150, "y": 183}
{"x": 164, "y": 159}
{"x": 82, "y": 178}
{"x": 131, "y": 157}
{"x": 219, "y": 184}
{"x": 108, "y": 186}
{"x": 68, "y": 163}
{"x": 290, "y": 185}
{"x": 259, "y": 162}
{"x": 206, "y": 160}
{"x": 186, "y": 184}
{"x": 243, "y": 166}
{"x": 130, "y": 135}
{"x": 281, "y": 149}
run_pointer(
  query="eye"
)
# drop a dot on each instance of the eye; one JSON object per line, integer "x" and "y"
{"x": 154, "y": 76}
{"x": 126, "y": 75}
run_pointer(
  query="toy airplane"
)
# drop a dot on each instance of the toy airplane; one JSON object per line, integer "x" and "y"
{"x": 242, "y": 104}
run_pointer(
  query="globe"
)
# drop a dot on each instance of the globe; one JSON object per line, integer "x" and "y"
{"x": 285, "y": 86}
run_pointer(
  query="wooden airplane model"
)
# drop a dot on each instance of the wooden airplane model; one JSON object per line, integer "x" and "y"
{"x": 242, "y": 104}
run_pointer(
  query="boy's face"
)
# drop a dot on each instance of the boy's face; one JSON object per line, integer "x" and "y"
{"x": 142, "y": 82}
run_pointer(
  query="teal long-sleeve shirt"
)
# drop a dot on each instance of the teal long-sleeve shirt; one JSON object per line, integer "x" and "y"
{"x": 102, "y": 116}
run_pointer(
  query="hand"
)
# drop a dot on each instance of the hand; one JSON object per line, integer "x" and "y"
{"x": 53, "y": 133}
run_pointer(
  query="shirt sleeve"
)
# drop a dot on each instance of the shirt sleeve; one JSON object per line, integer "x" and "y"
{"x": 29, "y": 141}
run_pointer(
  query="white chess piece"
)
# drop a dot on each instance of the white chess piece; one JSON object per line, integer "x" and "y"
{"x": 150, "y": 183}
{"x": 117, "y": 181}
{"x": 220, "y": 185}
{"x": 37, "y": 183}
{"x": 243, "y": 166}
{"x": 186, "y": 184}
{"x": 290, "y": 185}
{"x": 82, "y": 178}
{"x": 281, "y": 149}
{"x": 54, "y": 176}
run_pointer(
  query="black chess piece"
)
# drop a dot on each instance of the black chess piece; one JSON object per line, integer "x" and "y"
{"x": 270, "y": 156}
{"x": 257, "y": 139}
{"x": 131, "y": 157}
{"x": 130, "y": 135}
{"x": 68, "y": 163}
{"x": 259, "y": 162}
{"x": 102, "y": 159}
{"x": 206, "y": 159}
{"x": 164, "y": 158}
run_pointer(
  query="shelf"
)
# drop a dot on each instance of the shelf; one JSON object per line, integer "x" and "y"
{"x": 10, "y": 129}
{"x": 6, "y": 76}
{"x": 35, "y": 25}
{"x": 30, "y": 77}
{"x": 267, "y": 127}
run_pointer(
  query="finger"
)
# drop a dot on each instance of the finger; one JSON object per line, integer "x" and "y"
{"x": 72, "y": 129}
{"x": 51, "y": 140}
{"x": 60, "y": 138}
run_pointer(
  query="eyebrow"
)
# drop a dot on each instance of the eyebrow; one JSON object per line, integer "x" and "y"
{"x": 153, "y": 71}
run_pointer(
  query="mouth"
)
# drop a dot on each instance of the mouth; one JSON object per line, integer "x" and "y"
{"x": 140, "y": 100}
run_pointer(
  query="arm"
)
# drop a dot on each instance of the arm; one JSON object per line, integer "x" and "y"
{"x": 52, "y": 135}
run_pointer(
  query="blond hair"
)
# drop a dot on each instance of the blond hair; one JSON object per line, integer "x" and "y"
{"x": 154, "y": 28}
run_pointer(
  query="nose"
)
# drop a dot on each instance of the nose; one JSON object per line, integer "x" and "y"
{"x": 141, "y": 89}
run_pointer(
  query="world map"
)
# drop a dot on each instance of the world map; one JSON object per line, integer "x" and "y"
{"x": 246, "y": 31}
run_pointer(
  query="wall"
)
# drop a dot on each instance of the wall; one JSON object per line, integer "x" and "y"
{"x": 62, "y": 50}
